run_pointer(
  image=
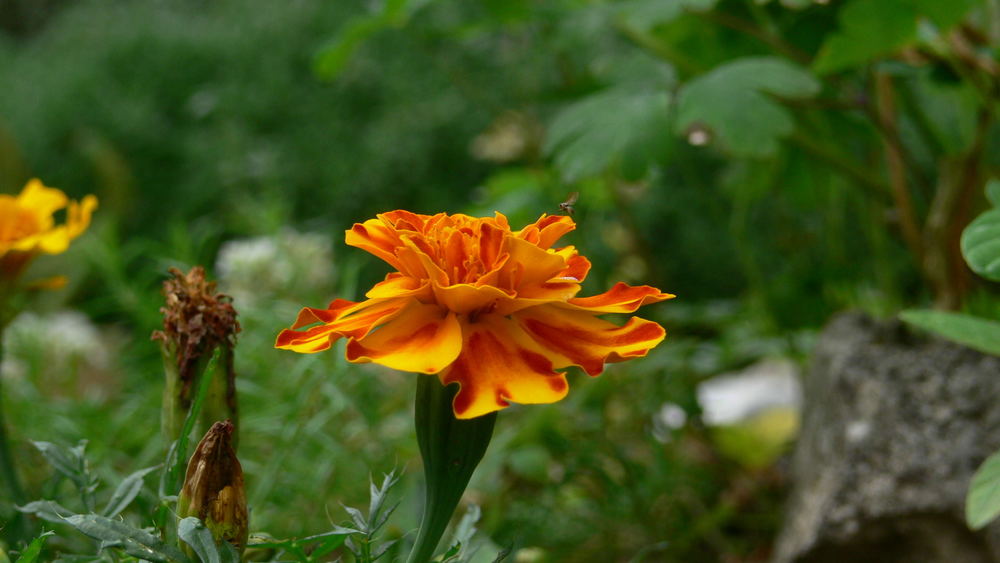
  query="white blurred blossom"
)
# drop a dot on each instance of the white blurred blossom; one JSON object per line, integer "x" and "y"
{"x": 261, "y": 268}
{"x": 735, "y": 397}
{"x": 670, "y": 417}
{"x": 61, "y": 352}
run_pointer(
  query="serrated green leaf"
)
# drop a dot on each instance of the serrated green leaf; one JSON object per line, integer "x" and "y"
{"x": 586, "y": 137}
{"x": 974, "y": 332}
{"x": 48, "y": 510}
{"x": 868, "y": 29}
{"x": 193, "y": 532}
{"x": 872, "y": 28}
{"x": 377, "y": 496}
{"x": 357, "y": 518}
{"x": 981, "y": 245}
{"x": 271, "y": 543}
{"x": 732, "y": 101}
{"x": 30, "y": 553}
{"x": 127, "y": 490}
{"x": 982, "y": 503}
{"x": 135, "y": 542}
{"x": 382, "y": 549}
{"x": 65, "y": 461}
{"x": 647, "y": 14}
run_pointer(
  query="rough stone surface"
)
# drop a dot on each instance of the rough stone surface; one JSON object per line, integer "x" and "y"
{"x": 894, "y": 426}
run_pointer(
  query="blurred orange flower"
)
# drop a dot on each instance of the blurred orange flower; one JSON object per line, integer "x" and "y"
{"x": 27, "y": 225}
{"x": 478, "y": 304}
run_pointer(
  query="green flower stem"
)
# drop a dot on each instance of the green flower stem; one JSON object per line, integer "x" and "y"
{"x": 451, "y": 449}
{"x": 13, "y": 484}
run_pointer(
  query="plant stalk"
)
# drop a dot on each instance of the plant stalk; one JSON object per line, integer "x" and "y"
{"x": 451, "y": 449}
{"x": 11, "y": 481}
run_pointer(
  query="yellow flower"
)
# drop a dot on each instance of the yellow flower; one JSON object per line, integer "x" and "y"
{"x": 478, "y": 304}
{"x": 27, "y": 225}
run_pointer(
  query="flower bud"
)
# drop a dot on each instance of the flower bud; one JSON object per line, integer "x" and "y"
{"x": 213, "y": 487}
{"x": 196, "y": 321}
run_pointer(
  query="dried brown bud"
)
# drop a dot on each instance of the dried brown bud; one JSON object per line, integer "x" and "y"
{"x": 196, "y": 321}
{"x": 213, "y": 487}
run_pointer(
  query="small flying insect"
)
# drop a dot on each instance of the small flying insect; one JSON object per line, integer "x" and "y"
{"x": 567, "y": 206}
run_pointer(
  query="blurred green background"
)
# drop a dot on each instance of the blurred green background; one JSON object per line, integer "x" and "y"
{"x": 769, "y": 162}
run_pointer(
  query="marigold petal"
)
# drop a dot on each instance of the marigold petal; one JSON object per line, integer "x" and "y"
{"x": 375, "y": 237}
{"x": 341, "y": 318}
{"x": 622, "y": 298}
{"x": 529, "y": 264}
{"x": 404, "y": 220}
{"x": 579, "y": 338}
{"x": 465, "y": 298}
{"x": 417, "y": 261}
{"x": 422, "y": 338}
{"x": 310, "y": 341}
{"x": 78, "y": 215}
{"x": 547, "y": 230}
{"x": 399, "y": 285}
{"x": 577, "y": 268}
{"x": 53, "y": 241}
{"x": 43, "y": 200}
{"x": 499, "y": 364}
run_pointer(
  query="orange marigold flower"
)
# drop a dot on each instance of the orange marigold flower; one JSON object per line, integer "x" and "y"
{"x": 492, "y": 309}
{"x": 27, "y": 225}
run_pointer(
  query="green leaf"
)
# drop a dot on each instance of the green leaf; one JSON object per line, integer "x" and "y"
{"x": 378, "y": 515}
{"x": 47, "y": 510}
{"x": 949, "y": 108}
{"x": 586, "y": 137}
{"x": 177, "y": 458}
{"x": 981, "y": 245}
{"x": 135, "y": 542}
{"x": 868, "y": 29}
{"x": 993, "y": 192}
{"x": 199, "y": 537}
{"x": 265, "y": 542}
{"x": 331, "y": 59}
{"x": 982, "y": 504}
{"x": 357, "y": 518}
{"x": 945, "y": 14}
{"x": 67, "y": 462}
{"x": 732, "y": 101}
{"x": 30, "y": 553}
{"x": 647, "y": 14}
{"x": 872, "y": 28}
{"x": 974, "y": 332}
{"x": 127, "y": 490}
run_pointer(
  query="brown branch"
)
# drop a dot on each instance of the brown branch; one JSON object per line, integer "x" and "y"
{"x": 960, "y": 179}
{"x": 885, "y": 108}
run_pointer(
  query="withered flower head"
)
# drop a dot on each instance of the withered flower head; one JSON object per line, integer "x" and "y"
{"x": 213, "y": 487}
{"x": 196, "y": 320}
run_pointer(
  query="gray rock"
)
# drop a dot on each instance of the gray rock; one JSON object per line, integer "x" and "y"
{"x": 894, "y": 425}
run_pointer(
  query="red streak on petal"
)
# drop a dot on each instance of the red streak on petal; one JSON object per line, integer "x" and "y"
{"x": 649, "y": 331}
{"x": 563, "y": 340}
{"x": 537, "y": 362}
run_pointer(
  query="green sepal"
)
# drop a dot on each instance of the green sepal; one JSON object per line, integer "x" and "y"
{"x": 451, "y": 449}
